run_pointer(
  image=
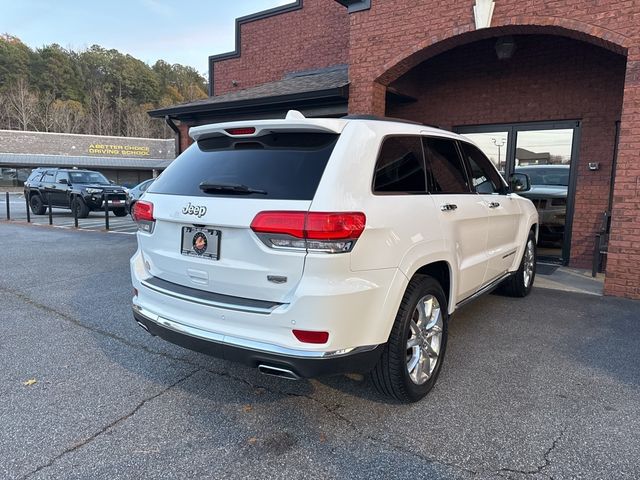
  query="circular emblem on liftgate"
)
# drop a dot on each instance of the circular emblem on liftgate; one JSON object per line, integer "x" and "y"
{"x": 199, "y": 243}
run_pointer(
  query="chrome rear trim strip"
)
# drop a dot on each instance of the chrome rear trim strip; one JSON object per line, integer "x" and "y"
{"x": 209, "y": 298}
{"x": 243, "y": 342}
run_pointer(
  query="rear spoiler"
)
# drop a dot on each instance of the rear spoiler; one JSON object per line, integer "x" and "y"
{"x": 294, "y": 122}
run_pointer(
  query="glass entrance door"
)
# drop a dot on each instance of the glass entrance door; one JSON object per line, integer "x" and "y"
{"x": 546, "y": 152}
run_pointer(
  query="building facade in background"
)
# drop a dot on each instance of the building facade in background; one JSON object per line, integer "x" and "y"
{"x": 125, "y": 160}
{"x": 549, "y": 88}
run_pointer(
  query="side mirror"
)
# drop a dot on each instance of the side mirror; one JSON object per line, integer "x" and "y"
{"x": 63, "y": 181}
{"x": 519, "y": 182}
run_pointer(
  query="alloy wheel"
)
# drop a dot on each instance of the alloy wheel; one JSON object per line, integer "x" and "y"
{"x": 529, "y": 263}
{"x": 425, "y": 339}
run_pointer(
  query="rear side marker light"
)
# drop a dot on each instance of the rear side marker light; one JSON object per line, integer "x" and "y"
{"x": 241, "y": 131}
{"x": 307, "y": 336}
{"x": 142, "y": 214}
{"x": 330, "y": 232}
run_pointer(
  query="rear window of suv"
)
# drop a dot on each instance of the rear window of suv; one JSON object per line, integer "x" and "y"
{"x": 283, "y": 166}
{"x": 35, "y": 176}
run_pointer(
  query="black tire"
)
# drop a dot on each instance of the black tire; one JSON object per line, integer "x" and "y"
{"x": 120, "y": 212}
{"x": 517, "y": 284}
{"x": 131, "y": 208}
{"x": 37, "y": 205}
{"x": 80, "y": 206}
{"x": 391, "y": 375}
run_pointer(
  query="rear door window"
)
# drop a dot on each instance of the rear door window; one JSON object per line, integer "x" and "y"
{"x": 49, "y": 177}
{"x": 62, "y": 175}
{"x": 35, "y": 176}
{"x": 446, "y": 170}
{"x": 282, "y": 166}
{"x": 400, "y": 166}
{"x": 484, "y": 177}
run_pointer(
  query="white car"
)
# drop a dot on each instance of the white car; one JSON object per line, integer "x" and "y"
{"x": 305, "y": 247}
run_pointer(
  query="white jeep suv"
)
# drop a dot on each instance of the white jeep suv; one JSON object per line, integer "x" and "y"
{"x": 305, "y": 247}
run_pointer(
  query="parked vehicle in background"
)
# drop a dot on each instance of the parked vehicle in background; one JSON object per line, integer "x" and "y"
{"x": 134, "y": 193}
{"x": 305, "y": 247}
{"x": 79, "y": 190}
{"x": 549, "y": 188}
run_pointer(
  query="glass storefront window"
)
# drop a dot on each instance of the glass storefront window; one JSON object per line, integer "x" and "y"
{"x": 544, "y": 147}
{"x": 493, "y": 145}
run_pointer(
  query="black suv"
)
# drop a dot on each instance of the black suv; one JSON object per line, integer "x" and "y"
{"x": 79, "y": 190}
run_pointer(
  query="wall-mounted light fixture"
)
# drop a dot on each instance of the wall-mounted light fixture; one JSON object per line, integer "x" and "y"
{"x": 505, "y": 47}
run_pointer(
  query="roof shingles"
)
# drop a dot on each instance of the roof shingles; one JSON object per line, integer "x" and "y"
{"x": 295, "y": 83}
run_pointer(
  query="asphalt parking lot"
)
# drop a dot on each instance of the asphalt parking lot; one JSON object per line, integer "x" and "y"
{"x": 63, "y": 218}
{"x": 542, "y": 387}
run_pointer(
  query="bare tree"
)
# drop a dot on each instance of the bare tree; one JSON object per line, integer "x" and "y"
{"x": 45, "y": 121}
{"x": 100, "y": 113}
{"x": 136, "y": 121}
{"x": 22, "y": 104}
{"x": 68, "y": 116}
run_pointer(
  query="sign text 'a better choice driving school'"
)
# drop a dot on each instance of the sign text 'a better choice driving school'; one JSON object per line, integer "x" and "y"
{"x": 119, "y": 150}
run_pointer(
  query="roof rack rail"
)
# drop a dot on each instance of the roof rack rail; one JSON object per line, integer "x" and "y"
{"x": 386, "y": 119}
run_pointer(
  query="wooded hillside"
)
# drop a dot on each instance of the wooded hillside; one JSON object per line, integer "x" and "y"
{"x": 93, "y": 91}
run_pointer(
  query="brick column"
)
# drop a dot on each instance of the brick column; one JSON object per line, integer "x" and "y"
{"x": 185, "y": 140}
{"x": 623, "y": 262}
{"x": 367, "y": 97}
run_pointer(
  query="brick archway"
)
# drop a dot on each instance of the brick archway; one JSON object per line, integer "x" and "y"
{"x": 372, "y": 71}
{"x": 433, "y": 45}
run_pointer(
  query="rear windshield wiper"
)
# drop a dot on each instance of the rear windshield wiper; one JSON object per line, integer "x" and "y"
{"x": 208, "y": 187}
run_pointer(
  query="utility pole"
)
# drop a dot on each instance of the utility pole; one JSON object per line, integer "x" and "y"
{"x": 499, "y": 144}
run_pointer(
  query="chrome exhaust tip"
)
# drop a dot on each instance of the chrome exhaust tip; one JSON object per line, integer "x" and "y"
{"x": 277, "y": 372}
{"x": 143, "y": 326}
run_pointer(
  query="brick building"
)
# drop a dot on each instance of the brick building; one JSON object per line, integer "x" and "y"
{"x": 533, "y": 83}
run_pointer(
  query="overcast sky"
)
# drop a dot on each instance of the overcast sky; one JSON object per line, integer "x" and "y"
{"x": 177, "y": 31}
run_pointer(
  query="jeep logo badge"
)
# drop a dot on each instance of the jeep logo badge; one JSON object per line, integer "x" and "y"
{"x": 197, "y": 210}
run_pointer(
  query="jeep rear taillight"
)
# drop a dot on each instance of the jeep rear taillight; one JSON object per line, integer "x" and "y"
{"x": 142, "y": 214}
{"x": 330, "y": 232}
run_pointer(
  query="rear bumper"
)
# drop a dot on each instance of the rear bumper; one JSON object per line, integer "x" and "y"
{"x": 357, "y": 309}
{"x": 303, "y": 363}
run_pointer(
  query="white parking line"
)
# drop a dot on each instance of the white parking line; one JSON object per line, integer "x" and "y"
{"x": 90, "y": 224}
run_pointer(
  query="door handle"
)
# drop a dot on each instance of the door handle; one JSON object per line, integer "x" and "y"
{"x": 494, "y": 204}
{"x": 448, "y": 207}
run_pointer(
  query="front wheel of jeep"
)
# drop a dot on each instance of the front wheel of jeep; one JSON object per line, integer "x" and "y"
{"x": 521, "y": 282}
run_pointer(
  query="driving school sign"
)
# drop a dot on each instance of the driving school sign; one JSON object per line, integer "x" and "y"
{"x": 118, "y": 150}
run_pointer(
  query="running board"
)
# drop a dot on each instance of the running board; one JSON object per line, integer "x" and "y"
{"x": 486, "y": 289}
